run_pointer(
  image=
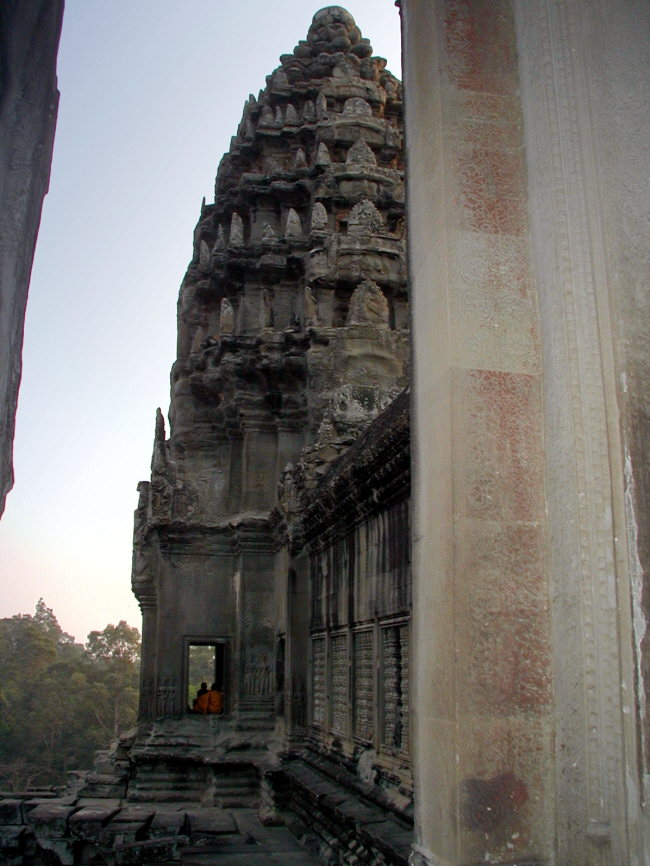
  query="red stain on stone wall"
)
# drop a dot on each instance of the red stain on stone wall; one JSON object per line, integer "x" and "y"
{"x": 480, "y": 45}
{"x": 503, "y": 462}
{"x": 490, "y": 184}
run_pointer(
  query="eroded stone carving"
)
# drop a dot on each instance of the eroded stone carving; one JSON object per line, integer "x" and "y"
{"x": 311, "y": 309}
{"x": 318, "y": 217}
{"x": 357, "y": 107}
{"x": 293, "y": 227}
{"x": 220, "y": 243}
{"x": 361, "y": 152}
{"x": 368, "y": 306}
{"x": 236, "y": 231}
{"x": 226, "y": 317}
{"x": 364, "y": 219}
{"x": 322, "y": 155}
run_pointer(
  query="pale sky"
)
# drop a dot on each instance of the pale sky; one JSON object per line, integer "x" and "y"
{"x": 151, "y": 92}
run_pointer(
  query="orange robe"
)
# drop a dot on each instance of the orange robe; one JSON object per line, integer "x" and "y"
{"x": 210, "y": 702}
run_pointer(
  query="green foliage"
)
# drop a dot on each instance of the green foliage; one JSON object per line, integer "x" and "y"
{"x": 116, "y": 651}
{"x": 60, "y": 701}
{"x": 201, "y": 670}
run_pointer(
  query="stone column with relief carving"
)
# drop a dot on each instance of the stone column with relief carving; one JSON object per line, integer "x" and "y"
{"x": 482, "y": 680}
{"x": 526, "y": 138}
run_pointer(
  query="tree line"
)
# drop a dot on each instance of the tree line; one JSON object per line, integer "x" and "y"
{"x": 60, "y": 701}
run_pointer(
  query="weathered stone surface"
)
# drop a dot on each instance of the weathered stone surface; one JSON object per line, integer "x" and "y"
{"x": 11, "y": 811}
{"x": 50, "y": 820}
{"x": 28, "y": 52}
{"x": 87, "y": 822}
{"x": 11, "y": 840}
{"x": 212, "y": 821}
{"x": 167, "y": 824}
{"x": 528, "y": 135}
{"x": 59, "y": 852}
{"x": 151, "y": 851}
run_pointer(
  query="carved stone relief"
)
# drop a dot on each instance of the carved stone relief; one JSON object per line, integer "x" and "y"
{"x": 363, "y": 660}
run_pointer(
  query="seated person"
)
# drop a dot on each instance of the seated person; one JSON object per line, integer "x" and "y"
{"x": 211, "y": 702}
{"x": 202, "y": 691}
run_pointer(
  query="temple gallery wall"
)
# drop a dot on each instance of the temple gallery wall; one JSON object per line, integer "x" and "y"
{"x": 399, "y": 520}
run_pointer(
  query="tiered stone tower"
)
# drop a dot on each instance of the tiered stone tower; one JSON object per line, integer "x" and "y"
{"x": 292, "y": 336}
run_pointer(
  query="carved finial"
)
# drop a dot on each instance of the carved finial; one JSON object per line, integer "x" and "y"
{"x": 267, "y": 117}
{"x": 279, "y": 120}
{"x": 364, "y": 218}
{"x": 321, "y": 106}
{"x": 159, "y": 435}
{"x": 309, "y": 112}
{"x": 323, "y": 155}
{"x": 204, "y": 256}
{"x": 326, "y": 431}
{"x": 311, "y": 309}
{"x": 291, "y": 116}
{"x": 334, "y": 30}
{"x": 236, "y": 231}
{"x": 360, "y": 152}
{"x": 293, "y": 228}
{"x": 368, "y": 306}
{"x": 266, "y": 310}
{"x": 226, "y": 317}
{"x": 300, "y": 159}
{"x": 220, "y": 243}
{"x": 318, "y": 217}
{"x": 159, "y": 456}
{"x": 357, "y": 107}
{"x": 280, "y": 78}
{"x": 249, "y": 129}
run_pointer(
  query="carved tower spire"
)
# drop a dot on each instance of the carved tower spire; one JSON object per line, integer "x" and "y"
{"x": 292, "y": 318}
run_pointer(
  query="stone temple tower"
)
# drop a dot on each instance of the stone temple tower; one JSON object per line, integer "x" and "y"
{"x": 292, "y": 337}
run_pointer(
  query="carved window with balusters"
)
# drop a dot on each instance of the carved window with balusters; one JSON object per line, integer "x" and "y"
{"x": 360, "y": 685}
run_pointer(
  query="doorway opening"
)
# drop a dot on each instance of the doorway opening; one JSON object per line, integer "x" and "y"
{"x": 206, "y": 669}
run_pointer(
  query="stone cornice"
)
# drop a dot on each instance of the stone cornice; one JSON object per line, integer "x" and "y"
{"x": 369, "y": 478}
{"x": 246, "y": 533}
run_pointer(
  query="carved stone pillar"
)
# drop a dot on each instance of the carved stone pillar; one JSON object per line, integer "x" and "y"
{"x": 527, "y": 137}
{"x": 255, "y": 618}
{"x": 147, "y": 710}
{"x": 482, "y": 686}
{"x": 585, "y": 79}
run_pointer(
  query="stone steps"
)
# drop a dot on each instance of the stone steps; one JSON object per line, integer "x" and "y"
{"x": 236, "y": 788}
{"x": 332, "y": 819}
{"x": 160, "y": 783}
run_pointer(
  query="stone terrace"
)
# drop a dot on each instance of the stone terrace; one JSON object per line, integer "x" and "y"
{"x": 83, "y": 830}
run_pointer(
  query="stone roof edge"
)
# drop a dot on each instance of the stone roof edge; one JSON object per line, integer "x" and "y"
{"x": 372, "y": 476}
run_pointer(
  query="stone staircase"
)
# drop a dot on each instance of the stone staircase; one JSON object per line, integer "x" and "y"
{"x": 325, "y": 809}
{"x": 236, "y": 786}
{"x": 163, "y": 781}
